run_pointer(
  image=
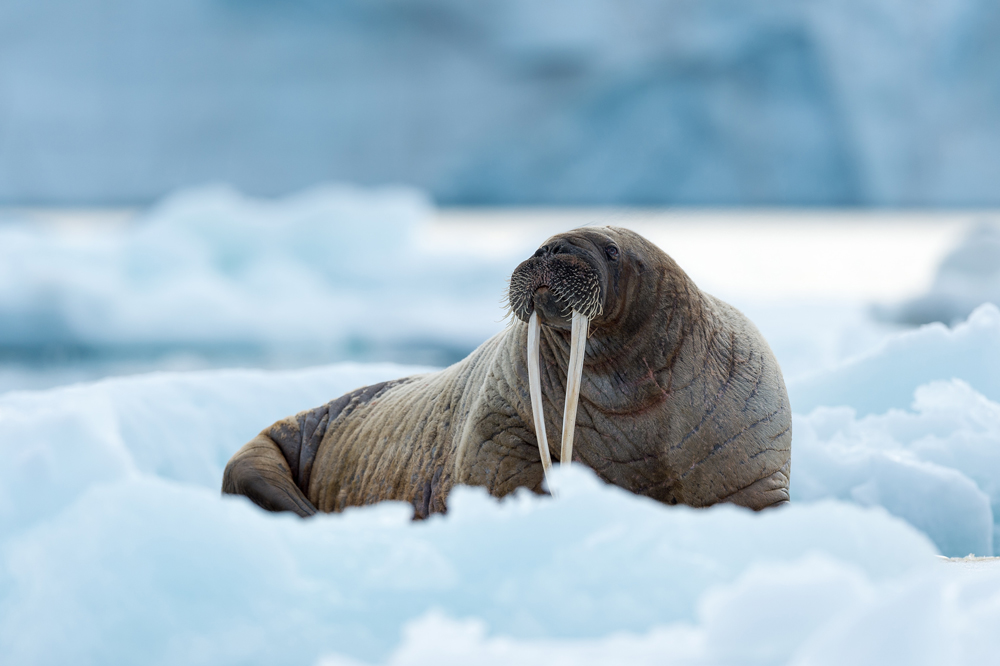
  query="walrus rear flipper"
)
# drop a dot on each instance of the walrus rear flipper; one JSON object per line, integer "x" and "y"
{"x": 260, "y": 472}
{"x": 274, "y": 469}
{"x": 767, "y": 492}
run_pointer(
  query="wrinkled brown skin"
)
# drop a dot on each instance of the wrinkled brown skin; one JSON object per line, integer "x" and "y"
{"x": 682, "y": 400}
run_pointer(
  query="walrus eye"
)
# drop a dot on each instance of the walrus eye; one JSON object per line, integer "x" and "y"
{"x": 612, "y": 252}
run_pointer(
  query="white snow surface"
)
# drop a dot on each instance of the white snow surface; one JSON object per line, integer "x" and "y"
{"x": 211, "y": 266}
{"x": 212, "y": 278}
{"x": 116, "y": 546}
{"x": 967, "y": 277}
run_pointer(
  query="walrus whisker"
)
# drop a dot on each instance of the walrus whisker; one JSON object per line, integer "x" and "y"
{"x": 535, "y": 391}
{"x": 574, "y": 377}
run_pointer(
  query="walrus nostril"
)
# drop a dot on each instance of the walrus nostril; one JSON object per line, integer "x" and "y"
{"x": 552, "y": 309}
{"x": 551, "y": 250}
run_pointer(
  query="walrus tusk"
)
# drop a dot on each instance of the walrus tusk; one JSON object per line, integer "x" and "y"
{"x": 577, "y": 348}
{"x": 535, "y": 390}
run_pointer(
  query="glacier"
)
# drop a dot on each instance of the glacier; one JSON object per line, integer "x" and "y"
{"x": 696, "y": 102}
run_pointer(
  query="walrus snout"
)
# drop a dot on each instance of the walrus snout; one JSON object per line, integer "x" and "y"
{"x": 552, "y": 311}
{"x": 555, "y": 285}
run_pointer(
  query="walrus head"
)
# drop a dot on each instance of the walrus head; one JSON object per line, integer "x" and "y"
{"x": 573, "y": 279}
{"x": 568, "y": 273}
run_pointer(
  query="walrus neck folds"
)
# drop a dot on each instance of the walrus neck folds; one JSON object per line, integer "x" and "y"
{"x": 630, "y": 324}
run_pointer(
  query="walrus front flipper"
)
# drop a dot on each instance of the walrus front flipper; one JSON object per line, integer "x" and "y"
{"x": 260, "y": 471}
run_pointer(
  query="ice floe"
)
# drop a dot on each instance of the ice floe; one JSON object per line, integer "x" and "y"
{"x": 115, "y": 545}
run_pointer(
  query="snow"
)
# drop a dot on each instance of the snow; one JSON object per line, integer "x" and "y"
{"x": 116, "y": 547}
{"x": 934, "y": 466}
{"x": 504, "y": 101}
{"x": 911, "y": 426}
{"x": 887, "y": 376}
{"x": 829, "y": 614}
{"x": 967, "y": 277}
{"x": 211, "y": 265}
{"x": 210, "y": 277}
{"x": 114, "y": 539}
{"x": 156, "y": 572}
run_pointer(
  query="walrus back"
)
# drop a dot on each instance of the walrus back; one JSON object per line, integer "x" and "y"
{"x": 275, "y": 468}
{"x": 708, "y": 421}
{"x": 739, "y": 450}
{"x": 389, "y": 441}
{"x": 389, "y": 446}
{"x": 299, "y": 437}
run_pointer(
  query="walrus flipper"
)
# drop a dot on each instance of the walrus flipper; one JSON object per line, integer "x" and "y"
{"x": 274, "y": 469}
{"x": 770, "y": 491}
{"x": 259, "y": 471}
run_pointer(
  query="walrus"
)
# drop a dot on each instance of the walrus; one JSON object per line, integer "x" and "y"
{"x": 664, "y": 390}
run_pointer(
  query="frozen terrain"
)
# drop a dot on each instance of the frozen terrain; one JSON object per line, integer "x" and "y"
{"x": 210, "y": 277}
{"x": 968, "y": 276}
{"x": 635, "y": 102}
{"x": 116, "y": 547}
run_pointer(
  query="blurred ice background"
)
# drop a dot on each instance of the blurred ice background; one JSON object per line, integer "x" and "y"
{"x": 209, "y": 277}
{"x": 697, "y": 102}
{"x": 216, "y": 213}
